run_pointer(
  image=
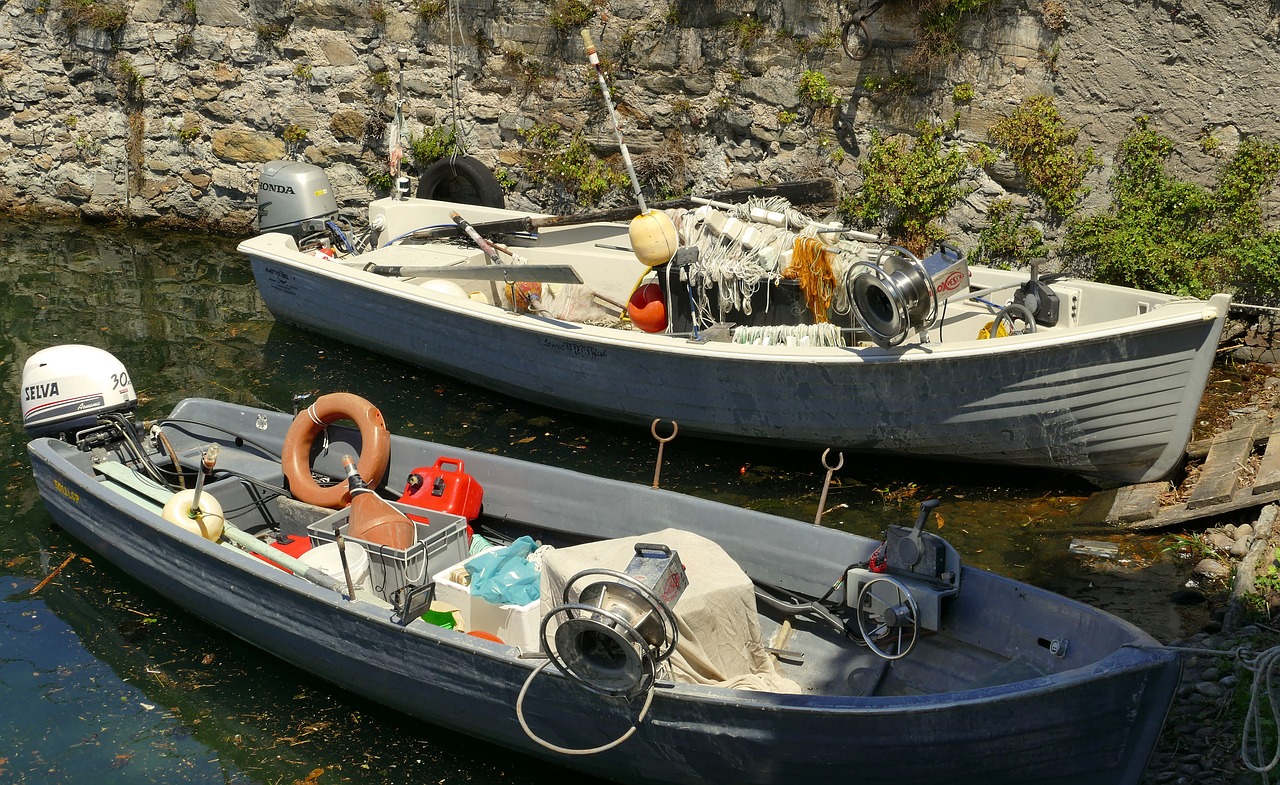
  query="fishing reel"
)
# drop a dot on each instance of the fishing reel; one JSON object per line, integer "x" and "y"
{"x": 612, "y": 639}
{"x": 898, "y": 292}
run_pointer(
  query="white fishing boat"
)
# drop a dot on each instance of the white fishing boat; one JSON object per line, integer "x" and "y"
{"x": 748, "y": 321}
{"x": 672, "y": 639}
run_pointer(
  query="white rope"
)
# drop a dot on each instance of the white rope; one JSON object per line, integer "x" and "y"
{"x": 455, "y": 97}
{"x": 1252, "y": 739}
{"x": 825, "y": 334}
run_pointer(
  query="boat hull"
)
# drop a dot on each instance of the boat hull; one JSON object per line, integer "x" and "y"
{"x": 1093, "y": 724}
{"x": 1116, "y": 405}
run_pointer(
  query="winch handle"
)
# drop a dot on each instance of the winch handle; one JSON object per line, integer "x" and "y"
{"x": 926, "y": 507}
{"x": 641, "y": 547}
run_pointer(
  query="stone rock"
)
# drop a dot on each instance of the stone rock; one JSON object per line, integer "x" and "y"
{"x": 246, "y": 146}
{"x": 1211, "y": 568}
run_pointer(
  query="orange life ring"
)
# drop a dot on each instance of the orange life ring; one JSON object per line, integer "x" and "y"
{"x": 375, "y": 451}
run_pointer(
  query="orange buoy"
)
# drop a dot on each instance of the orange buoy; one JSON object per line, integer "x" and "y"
{"x": 375, "y": 450}
{"x": 647, "y": 308}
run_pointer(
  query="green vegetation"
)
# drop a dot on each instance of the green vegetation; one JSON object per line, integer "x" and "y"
{"x": 911, "y": 183}
{"x": 428, "y": 10}
{"x": 271, "y": 32}
{"x": 1042, "y": 147}
{"x": 571, "y": 166}
{"x": 189, "y": 133}
{"x": 787, "y": 117}
{"x": 295, "y": 134}
{"x": 131, "y": 81}
{"x": 1008, "y": 242}
{"x": 436, "y": 143}
{"x": 379, "y": 178}
{"x": 815, "y": 90}
{"x": 569, "y": 14}
{"x": 746, "y": 31}
{"x": 938, "y": 29}
{"x": 378, "y": 12}
{"x": 302, "y": 72}
{"x": 1178, "y": 237}
{"x": 104, "y": 15}
{"x": 963, "y": 93}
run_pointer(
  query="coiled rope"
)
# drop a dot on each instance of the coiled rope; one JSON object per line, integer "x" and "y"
{"x": 1253, "y": 736}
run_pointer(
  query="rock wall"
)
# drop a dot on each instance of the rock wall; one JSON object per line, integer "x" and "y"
{"x": 165, "y": 111}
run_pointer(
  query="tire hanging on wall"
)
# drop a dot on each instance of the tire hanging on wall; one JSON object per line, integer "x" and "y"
{"x": 461, "y": 179}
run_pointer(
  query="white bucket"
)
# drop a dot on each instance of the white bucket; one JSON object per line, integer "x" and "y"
{"x": 326, "y": 559}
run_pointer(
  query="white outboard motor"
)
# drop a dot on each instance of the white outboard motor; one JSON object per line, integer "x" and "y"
{"x": 65, "y": 388}
{"x": 294, "y": 198}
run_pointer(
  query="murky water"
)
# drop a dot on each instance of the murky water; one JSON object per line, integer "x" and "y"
{"x": 103, "y": 681}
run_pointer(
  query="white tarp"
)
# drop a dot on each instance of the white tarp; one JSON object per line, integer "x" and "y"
{"x": 719, "y": 631}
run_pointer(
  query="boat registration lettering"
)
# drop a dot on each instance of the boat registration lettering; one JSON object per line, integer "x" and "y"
{"x": 576, "y": 349}
{"x": 279, "y": 279}
{"x": 65, "y": 491}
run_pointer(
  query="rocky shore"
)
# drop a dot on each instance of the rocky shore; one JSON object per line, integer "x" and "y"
{"x": 1235, "y": 572}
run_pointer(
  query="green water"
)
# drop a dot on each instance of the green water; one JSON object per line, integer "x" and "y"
{"x": 104, "y": 681}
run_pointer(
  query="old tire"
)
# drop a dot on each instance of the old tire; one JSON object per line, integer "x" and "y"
{"x": 461, "y": 179}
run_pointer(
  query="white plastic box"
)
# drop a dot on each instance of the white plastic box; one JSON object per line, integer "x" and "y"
{"x": 517, "y": 625}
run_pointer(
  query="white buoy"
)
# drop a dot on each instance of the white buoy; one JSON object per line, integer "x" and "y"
{"x": 207, "y": 522}
{"x": 653, "y": 237}
{"x": 445, "y": 287}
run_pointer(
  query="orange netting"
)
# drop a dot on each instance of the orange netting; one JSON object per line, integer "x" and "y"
{"x": 811, "y": 265}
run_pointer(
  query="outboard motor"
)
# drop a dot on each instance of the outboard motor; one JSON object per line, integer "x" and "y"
{"x": 294, "y": 198}
{"x": 66, "y": 388}
{"x": 621, "y": 628}
{"x": 899, "y": 292}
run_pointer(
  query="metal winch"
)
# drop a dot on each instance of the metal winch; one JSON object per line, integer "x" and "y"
{"x": 899, "y": 292}
{"x": 612, "y": 639}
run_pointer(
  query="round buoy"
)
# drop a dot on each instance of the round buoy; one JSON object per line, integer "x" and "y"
{"x": 647, "y": 308}
{"x": 445, "y": 287}
{"x": 207, "y": 522}
{"x": 653, "y": 238}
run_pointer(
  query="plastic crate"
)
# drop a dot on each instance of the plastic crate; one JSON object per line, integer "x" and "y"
{"x": 442, "y": 540}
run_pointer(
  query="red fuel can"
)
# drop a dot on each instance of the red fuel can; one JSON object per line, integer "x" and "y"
{"x": 445, "y": 487}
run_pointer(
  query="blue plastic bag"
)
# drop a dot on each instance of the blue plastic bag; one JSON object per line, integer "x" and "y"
{"x": 505, "y": 576}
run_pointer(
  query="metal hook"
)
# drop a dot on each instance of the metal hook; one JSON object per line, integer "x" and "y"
{"x": 822, "y": 500}
{"x": 662, "y": 442}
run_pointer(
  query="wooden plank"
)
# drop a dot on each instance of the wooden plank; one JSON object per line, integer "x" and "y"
{"x": 1137, "y": 502}
{"x": 1269, "y": 471}
{"x": 1221, "y": 471}
{"x": 1179, "y": 514}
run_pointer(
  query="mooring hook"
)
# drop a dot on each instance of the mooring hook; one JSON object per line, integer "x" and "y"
{"x": 826, "y": 484}
{"x": 662, "y": 442}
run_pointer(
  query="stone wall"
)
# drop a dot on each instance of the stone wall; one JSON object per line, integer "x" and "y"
{"x": 168, "y": 117}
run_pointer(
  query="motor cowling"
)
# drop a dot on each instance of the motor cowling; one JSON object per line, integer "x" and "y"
{"x": 65, "y": 388}
{"x": 294, "y": 198}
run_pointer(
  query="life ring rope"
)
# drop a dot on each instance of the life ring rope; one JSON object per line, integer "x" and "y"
{"x": 375, "y": 447}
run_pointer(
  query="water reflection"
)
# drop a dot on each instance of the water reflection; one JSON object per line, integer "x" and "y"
{"x": 103, "y": 680}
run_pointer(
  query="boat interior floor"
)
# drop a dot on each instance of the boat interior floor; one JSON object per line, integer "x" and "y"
{"x": 808, "y": 648}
